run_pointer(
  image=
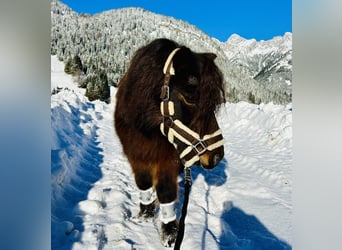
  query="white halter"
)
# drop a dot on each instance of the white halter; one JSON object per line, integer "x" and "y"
{"x": 192, "y": 144}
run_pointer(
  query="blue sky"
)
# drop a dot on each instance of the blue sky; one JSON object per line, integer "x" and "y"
{"x": 259, "y": 19}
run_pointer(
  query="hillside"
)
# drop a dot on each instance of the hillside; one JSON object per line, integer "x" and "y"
{"x": 107, "y": 41}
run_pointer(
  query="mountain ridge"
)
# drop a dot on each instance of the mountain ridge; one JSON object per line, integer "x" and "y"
{"x": 266, "y": 61}
{"x": 108, "y": 40}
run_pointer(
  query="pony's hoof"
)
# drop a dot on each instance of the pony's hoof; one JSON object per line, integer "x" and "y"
{"x": 169, "y": 233}
{"x": 146, "y": 213}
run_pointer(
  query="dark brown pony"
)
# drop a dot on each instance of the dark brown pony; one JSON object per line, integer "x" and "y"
{"x": 196, "y": 90}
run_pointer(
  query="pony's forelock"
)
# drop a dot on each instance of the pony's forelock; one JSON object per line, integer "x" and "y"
{"x": 211, "y": 88}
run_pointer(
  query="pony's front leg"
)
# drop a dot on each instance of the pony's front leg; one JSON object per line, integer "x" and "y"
{"x": 147, "y": 196}
{"x": 167, "y": 195}
{"x": 148, "y": 203}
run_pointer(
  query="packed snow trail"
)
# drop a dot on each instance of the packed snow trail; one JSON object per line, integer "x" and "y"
{"x": 244, "y": 203}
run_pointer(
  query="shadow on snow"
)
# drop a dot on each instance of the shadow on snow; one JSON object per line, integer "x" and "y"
{"x": 244, "y": 231}
{"x": 239, "y": 231}
{"x": 74, "y": 170}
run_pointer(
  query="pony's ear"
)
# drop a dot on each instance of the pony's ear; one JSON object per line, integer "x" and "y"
{"x": 210, "y": 55}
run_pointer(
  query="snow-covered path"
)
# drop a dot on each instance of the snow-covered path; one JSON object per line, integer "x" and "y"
{"x": 244, "y": 203}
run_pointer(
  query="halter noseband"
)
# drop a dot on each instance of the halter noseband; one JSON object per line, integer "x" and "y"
{"x": 189, "y": 145}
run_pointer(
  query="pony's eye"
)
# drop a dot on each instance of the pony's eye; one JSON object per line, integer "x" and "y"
{"x": 190, "y": 98}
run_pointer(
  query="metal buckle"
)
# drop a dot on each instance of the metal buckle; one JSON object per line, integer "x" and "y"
{"x": 165, "y": 93}
{"x": 187, "y": 176}
{"x": 197, "y": 148}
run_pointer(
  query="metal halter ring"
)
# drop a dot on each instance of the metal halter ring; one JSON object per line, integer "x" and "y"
{"x": 197, "y": 148}
{"x": 165, "y": 93}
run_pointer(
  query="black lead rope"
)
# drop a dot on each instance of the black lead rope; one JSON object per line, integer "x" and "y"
{"x": 187, "y": 187}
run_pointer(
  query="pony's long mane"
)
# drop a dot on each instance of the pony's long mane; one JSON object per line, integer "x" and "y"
{"x": 211, "y": 92}
{"x": 143, "y": 81}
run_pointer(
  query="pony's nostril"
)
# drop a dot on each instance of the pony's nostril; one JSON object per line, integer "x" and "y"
{"x": 216, "y": 159}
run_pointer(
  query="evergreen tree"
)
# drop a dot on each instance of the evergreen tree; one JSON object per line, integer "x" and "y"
{"x": 97, "y": 87}
{"x": 73, "y": 66}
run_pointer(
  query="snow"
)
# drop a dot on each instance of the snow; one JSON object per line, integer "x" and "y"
{"x": 243, "y": 203}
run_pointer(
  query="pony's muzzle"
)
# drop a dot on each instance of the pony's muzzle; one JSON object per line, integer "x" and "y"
{"x": 211, "y": 159}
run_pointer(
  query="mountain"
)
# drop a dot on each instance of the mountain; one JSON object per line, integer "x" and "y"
{"x": 269, "y": 62}
{"x": 107, "y": 41}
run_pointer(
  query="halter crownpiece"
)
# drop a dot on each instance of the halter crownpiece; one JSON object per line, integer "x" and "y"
{"x": 169, "y": 64}
{"x": 189, "y": 145}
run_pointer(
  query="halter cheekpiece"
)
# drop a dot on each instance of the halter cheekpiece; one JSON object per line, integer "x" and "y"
{"x": 189, "y": 145}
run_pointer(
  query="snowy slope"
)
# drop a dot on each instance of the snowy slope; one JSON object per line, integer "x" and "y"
{"x": 244, "y": 203}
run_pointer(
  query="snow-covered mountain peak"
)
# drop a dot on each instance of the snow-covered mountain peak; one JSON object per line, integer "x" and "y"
{"x": 269, "y": 62}
{"x": 237, "y": 39}
{"x": 237, "y": 45}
